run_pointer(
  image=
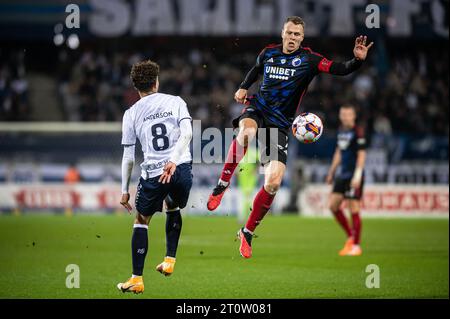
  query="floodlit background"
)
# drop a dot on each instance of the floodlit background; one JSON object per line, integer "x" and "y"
{"x": 63, "y": 92}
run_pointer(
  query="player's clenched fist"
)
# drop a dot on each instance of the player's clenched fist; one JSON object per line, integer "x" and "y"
{"x": 240, "y": 96}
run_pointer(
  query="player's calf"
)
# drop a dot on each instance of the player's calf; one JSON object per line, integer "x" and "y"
{"x": 274, "y": 172}
{"x": 246, "y": 135}
{"x": 139, "y": 247}
{"x": 238, "y": 148}
{"x": 174, "y": 224}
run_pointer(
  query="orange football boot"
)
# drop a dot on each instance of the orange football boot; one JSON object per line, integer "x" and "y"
{"x": 135, "y": 285}
{"x": 347, "y": 247}
{"x": 167, "y": 266}
{"x": 355, "y": 251}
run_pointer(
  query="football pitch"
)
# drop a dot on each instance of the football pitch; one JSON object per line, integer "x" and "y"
{"x": 293, "y": 258}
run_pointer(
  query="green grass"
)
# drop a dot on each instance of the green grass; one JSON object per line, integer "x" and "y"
{"x": 293, "y": 258}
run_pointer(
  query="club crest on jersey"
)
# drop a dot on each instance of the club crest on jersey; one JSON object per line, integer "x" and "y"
{"x": 283, "y": 61}
{"x": 296, "y": 62}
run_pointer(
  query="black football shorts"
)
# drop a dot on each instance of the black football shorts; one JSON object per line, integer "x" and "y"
{"x": 342, "y": 186}
{"x": 272, "y": 141}
{"x": 151, "y": 193}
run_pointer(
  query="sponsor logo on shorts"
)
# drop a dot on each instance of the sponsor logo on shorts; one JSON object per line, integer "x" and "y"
{"x": 155, "y": 166}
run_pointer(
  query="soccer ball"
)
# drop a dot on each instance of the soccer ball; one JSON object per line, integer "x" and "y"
{"x": 307, "y": 128}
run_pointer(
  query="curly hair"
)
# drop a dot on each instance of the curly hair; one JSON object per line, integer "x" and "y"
{"x": 144, "y": 75}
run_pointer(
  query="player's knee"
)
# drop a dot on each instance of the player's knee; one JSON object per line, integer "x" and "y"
{"x": 354, "y": 208}
{"x": 246, "y": 135}
{"x": 171, "y": 204}
{"x": 272, "y": 187}
{"x": 141, "y": 219}
{"x": 334, "y": 207}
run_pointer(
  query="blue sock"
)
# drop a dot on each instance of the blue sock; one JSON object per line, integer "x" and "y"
{"x": 173, "y": 231}
{"x": 139, "y": 246}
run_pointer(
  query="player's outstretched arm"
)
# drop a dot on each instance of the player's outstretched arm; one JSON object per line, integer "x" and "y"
{"x": 127, "y": 168}
{"x": 360, "y": 54}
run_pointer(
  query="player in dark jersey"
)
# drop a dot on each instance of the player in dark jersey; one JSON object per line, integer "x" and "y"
{"x": 287, "y": 70}
{"x": 347, "y": 172}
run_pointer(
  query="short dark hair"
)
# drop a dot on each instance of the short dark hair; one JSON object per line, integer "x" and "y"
{"x": 349, "y": 106}
{"x": 144, "y": 75}
{"x": 295, "y": 20}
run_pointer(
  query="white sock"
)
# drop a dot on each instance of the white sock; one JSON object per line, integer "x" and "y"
{"x": 134, "y": 276}
{"x": 248, "y": 231}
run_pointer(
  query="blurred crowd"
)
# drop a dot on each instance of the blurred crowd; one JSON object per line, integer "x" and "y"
{"x": 14, "y": 101}
{"x": 97, "y": 87}
{"x": 406, "y": 92}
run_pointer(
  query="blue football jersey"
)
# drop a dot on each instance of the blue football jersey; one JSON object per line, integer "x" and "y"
{"x": 285, "y": 80}
{"x": 349, "y": 143}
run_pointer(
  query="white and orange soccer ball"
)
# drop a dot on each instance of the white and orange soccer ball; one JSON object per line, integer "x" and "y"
{"x": 307, "y": 128}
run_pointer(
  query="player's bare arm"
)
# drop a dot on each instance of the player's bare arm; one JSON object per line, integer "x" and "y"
{"x": 334, "y": 164}
{"x": 360, "y": 52}
{"x": 360, "y": 162}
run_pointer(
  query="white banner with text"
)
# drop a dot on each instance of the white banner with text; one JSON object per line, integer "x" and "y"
{"x": 379, "y": 200}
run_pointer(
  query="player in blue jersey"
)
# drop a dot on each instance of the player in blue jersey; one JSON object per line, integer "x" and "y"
{"x": 287, "y": 70}
{"x": 347, "y": 172}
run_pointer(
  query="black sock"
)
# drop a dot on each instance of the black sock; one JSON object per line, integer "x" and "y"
{"x": 173, "y": 230}
{"x": 139, "y": 246}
